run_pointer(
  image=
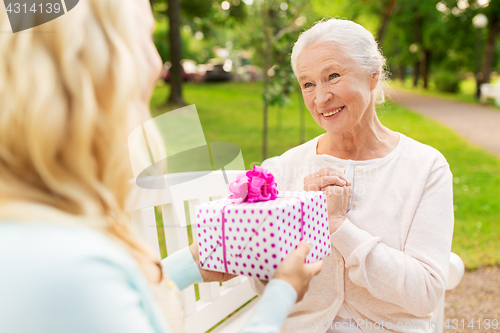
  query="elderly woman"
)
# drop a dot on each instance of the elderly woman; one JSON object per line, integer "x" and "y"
{"x": 71, "y": 91}
{"x": 390, "y": 207}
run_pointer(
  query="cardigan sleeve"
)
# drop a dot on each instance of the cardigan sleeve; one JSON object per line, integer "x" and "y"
{"x": 182, "y": 269}
{"x": 415, "y": 277}
{"x": 273, "y": 308}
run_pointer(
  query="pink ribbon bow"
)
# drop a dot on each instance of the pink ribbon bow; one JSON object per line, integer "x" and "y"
{"x": 254, "y": 185}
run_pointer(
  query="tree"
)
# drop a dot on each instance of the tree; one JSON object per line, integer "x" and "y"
{"x": 387, "y": 11}
{"x": 174, "y": 18}
{"x": 267, "y": 66}
{"x": 205, "y": 15}
{"x": 272, "y": 28}
{"x": 493, "y": 14}
{"x": 419, "y": 37}
{"x": 281, "y": 25}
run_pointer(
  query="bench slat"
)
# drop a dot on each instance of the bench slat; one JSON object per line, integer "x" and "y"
{"x": 174, "y": 226}
{"x": 176, "y": 238}
{"x": 144, "y": 222}
{"x": 210, "y": 313}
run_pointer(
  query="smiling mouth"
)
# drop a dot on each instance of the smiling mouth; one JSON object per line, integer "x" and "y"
{"x": 334, "y": 112}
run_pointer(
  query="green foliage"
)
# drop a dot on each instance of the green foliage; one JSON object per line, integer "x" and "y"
{"x": 446, "y": 81}
{"x": 363, "y": 12}
{"x": 197, "y": 8}
{"x": 447, "y": 35}
{"x": 284, "y": 25}
{"x": 197, "y": 50}
{"x": 282, "y": 84}
{"x": 160, "y": 38}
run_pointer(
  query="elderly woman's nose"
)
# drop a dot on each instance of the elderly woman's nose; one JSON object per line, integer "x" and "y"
{"x": 323, "y": 96}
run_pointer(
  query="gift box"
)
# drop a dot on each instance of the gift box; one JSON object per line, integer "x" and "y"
{"x": 243, "y": 236}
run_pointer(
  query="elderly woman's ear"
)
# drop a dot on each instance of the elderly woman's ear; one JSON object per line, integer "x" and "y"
{"x": 375, "y": 79}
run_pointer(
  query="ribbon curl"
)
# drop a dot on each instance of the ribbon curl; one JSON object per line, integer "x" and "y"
{"x": 254, "y": 185}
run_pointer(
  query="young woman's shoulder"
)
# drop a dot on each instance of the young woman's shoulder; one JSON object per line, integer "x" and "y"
{"x": 54, "y": 245}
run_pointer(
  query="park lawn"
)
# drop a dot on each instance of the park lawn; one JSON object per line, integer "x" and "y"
{"x": 232, "y": 112}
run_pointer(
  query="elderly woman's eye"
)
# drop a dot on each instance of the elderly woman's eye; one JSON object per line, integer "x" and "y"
{"x": 334, "y": 76}
{"x": 307, "y": 85}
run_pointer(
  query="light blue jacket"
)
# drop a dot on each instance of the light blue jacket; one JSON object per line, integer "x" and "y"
{"x": 67, "y": 279}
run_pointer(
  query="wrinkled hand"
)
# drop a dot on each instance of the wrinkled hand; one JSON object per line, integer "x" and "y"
{"x": 208, "y": 276}
{"x": 318, "y": 181}
{"x": 294, "y": 271}
{"x": 337, "y": 200}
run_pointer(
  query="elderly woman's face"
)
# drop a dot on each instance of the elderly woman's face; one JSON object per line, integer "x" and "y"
{"x": 336, "y": 90}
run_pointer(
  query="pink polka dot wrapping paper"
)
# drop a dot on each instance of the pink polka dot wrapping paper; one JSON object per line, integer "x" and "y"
{"x": 256, "y": 237}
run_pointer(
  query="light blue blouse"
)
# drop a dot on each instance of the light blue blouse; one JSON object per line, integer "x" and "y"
{"x": 59, "y": 279}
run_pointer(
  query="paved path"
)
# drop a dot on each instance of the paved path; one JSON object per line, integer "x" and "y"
{"x": 480, "y": 124}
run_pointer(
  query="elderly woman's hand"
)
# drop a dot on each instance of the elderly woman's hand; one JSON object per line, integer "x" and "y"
{"x": 318, "y": 181}
{"x": 337, "y": 199}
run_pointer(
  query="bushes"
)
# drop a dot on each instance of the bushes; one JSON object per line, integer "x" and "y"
{"x": 447, "y": 81}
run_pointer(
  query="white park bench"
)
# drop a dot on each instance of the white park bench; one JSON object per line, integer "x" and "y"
{"x": 216, "y": 301}
{"x": 490, "y": 90}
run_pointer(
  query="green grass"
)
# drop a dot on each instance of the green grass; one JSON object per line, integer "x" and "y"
{"x": 466, "y": 93}
{"x": 232, "y": 112}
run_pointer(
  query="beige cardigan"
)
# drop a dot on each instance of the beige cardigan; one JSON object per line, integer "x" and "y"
{"x": 389, "y": 261}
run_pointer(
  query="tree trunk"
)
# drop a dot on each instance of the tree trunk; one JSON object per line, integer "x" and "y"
{"x": 401, "y": 73}
{"x": 489, "y": 50}
{"x": 479, "y": 74}
{"x": 416, "y": 73}
{"x": 174, "y": 18}
{"x": 267, "y": 66}
{"x": 386, "y": 16}
{"x": 418, "y": 41}
{"x": 426, "y": 54}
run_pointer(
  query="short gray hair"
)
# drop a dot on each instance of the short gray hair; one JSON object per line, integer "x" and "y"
{"x": 353, "y": 39}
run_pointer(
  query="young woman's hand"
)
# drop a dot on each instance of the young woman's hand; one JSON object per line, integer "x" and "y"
{"x": 337, "y": 200}
{"x": 208, "y": 276}
{"x": 319, "y": 180}
{"x": 296, "y": 272}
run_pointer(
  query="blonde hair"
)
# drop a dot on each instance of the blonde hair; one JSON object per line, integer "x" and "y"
{"x": 70, "y": 91}
{"x": 352, "y": 38}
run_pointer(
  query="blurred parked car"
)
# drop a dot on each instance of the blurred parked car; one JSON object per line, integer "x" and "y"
{"x": 218, "y": 70}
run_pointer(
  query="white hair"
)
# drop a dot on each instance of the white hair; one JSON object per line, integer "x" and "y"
{"x": 350, "y": 37}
